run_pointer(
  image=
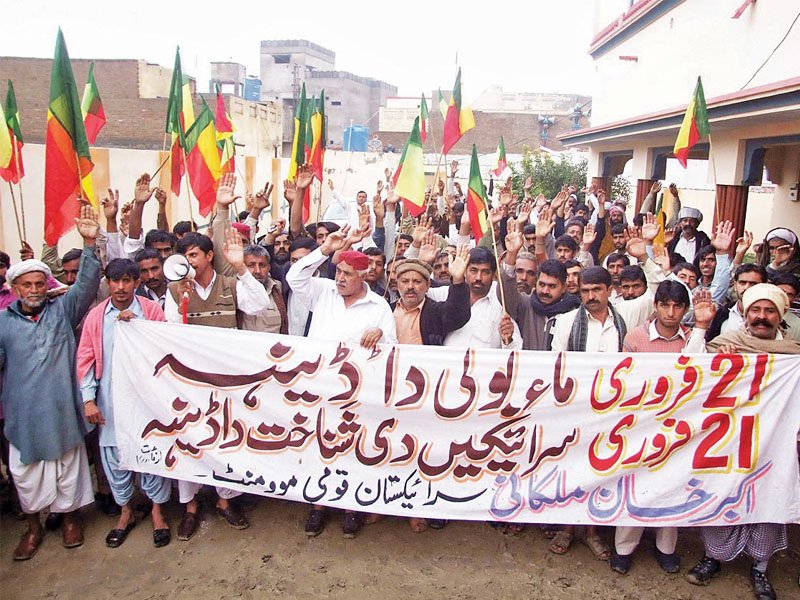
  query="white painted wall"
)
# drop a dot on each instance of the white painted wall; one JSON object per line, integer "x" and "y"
{"x": 698, "y": 37}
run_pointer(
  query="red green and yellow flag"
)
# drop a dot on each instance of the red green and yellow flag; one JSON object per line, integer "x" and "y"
{"x": 11, "y": 167}
{"x": 224, "y": 129}
{"x": 202, "y": 160}
{"x": 67, "y": 157}
{"x": 500, "y": 158}
{"x": 299, "y": 140}
{"x": 319, "y": 133}
{"x": 477, "y": 201}
{"x": 180, "y": 116}
{"x": 94, "y": 117}
{"x": 694, "y": 126}
{"x": 459, "y": 120}
{"x": 423, "y": 119}
{"x": 409, "y": 179}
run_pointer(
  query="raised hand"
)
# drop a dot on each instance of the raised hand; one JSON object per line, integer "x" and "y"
{"x": 110, "y": 205}
{"x": 421, "y": 229}
{"x": 290, "y": 190}
{"x": 330, "y": 184}
{"x": 514, "y": 239}
{"x": 525, "y": 210}
{"x": 87, "y": 224}
{"x": 704, "y": 309}
{"x": 669, "y": 234}
{"x": 356, "y": 235}
{"x": 335, "y": 241}
{"x": 387, "y": 172}
{"x": 546, "y": 223}
{"x": 428, "y": 250}
{"x": 636, "y": 246}
{"x": 650, "y": 227}
{"x": 142, "y": 192}
{"x": 496, "y": 214}
{"x": 506, "y": 329}
{"x": 363, "y": 216}
{"x": 377, "y": 207}
{"x": 458, "y": 264}
{"x": 161, "y": 196}
{"x": 589, "y": 236}
{"x": 391, "y": 201}
{"x": 26, "y": 252}
{"x": 233, "y": 251}
{"x": 723, "y": 237}
{"x": 304, "y": 177}
{"x": 262, "y": 198}
{"x": 453, "y": 168}
{"x": 661, "y": 257}
{"x": 743, "y": 243}
{"x": 656, "y": 187}
{"x": 527, "y": 185}
{"x": 380, "y": 186}
{"x": 225, "y": 191}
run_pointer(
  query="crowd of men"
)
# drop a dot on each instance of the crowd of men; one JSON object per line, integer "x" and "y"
{"x": 569, "y": 273}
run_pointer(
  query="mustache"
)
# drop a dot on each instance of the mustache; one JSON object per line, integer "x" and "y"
{"x": 760, "y": 323}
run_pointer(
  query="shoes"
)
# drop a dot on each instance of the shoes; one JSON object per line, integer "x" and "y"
{"x": 28, "y": 545}
{"x": 161, "y": 537}
{"x": 234, "y": 518}
{"x": 72, "y": 534}
{"x": 106, "y": 504}
{"x": 315, "y": 523}
{"x": 704, "y": 571}
{"x": 669, "y": 563}
{"x": 621, "y": 563}
{"x": 437, "y": 523}
{"x": 761, "y": 586}
{"x": 115, "y": 537}
{"x": 188, "y": 526}
{"x": 351, "y": 525}
{"x": 53, "y": 521}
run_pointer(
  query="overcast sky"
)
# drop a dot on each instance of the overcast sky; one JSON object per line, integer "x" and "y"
{"x": 533, "y": 46}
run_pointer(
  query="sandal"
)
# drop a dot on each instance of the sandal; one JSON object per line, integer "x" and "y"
{"x": 598, "y": 547}
{"x": 550, "y": 532}
{"x": 513, "y": 528}
{"x": 418, "y": 525}
{"x": 561, "y": 542}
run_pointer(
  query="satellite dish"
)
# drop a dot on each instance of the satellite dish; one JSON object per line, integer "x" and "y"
{"x": 177, "y": 268}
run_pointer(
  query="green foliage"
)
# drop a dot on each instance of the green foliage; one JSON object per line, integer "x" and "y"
{"x": 548, "y": 175}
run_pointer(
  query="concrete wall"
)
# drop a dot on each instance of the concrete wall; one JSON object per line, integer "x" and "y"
{"x": 154, "y": 80}
{"x": 697, "y": 37}
{"x": 277, "y": 79}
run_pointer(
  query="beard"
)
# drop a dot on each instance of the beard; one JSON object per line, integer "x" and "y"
{"x": 35, "y": 303}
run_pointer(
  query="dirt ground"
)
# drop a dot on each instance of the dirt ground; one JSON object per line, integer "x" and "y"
{"x": 275, "y": 559}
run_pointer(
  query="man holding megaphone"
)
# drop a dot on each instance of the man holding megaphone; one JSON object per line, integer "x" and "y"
{"x": 210, "y": 299}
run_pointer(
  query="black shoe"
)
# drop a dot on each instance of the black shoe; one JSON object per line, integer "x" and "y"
{"x": 115, "y": 537}
{"x": 53, "y": 521}
{"x": 161, "y": 537}
{"x": 702, "y": 572}
{"x": 761, "y": 586}
{"x": 351, "y": 525}
{"x": 621, "y": 563}
{"x": 669, "y": 563}
{"x": 315, "y": 523}
{"x": 438, "y": 523}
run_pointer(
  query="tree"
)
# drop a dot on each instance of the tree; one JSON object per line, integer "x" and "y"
{"x": 547, "y": 174}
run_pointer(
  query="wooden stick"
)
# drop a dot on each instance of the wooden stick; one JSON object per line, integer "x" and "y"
{"x": 16, "y": 216}
{"x": 19, "y": 183}
{"x": 499, "y": 266}
{"x": 161, "y": 166}
{"x": 189, "y": 194}
{"x": 714, "y": 175}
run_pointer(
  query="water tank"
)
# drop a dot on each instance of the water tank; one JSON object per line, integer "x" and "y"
{"x": 355, "y": 138}
{"x": 252, "y": 89}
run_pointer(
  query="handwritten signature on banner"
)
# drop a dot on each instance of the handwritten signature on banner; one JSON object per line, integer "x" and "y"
{"x": 515, "y": 444}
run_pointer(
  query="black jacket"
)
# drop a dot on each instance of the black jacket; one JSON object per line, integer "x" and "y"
{"x": 440, "y": 318}
{"x": 700, "y": 240}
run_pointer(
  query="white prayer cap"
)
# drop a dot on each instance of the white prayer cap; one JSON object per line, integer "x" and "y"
{"x": 687, "y": 212}
{"x": 782, "y": 234}
{"x": 27, "y": 266}
{"x": 766, "y": 291}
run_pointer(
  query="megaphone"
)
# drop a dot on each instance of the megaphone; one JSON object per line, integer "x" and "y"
{"x": 177, "y": 268}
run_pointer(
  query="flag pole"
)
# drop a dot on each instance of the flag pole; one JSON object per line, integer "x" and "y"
{"x": 714, "y": 175}
{"x": 499, "y": 266}
{"x": 189, "y": 194}
{"x": 161, "y": 166}
{"x": 19, "y": 183}
{"x": 16, "y": 216}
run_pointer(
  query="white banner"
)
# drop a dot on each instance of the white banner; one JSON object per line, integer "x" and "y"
{"x": 629, "y": 439}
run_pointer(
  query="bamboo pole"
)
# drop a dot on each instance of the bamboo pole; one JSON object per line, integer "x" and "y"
{"x": 19, "y": 184}
{"x": 16, "y": 216}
